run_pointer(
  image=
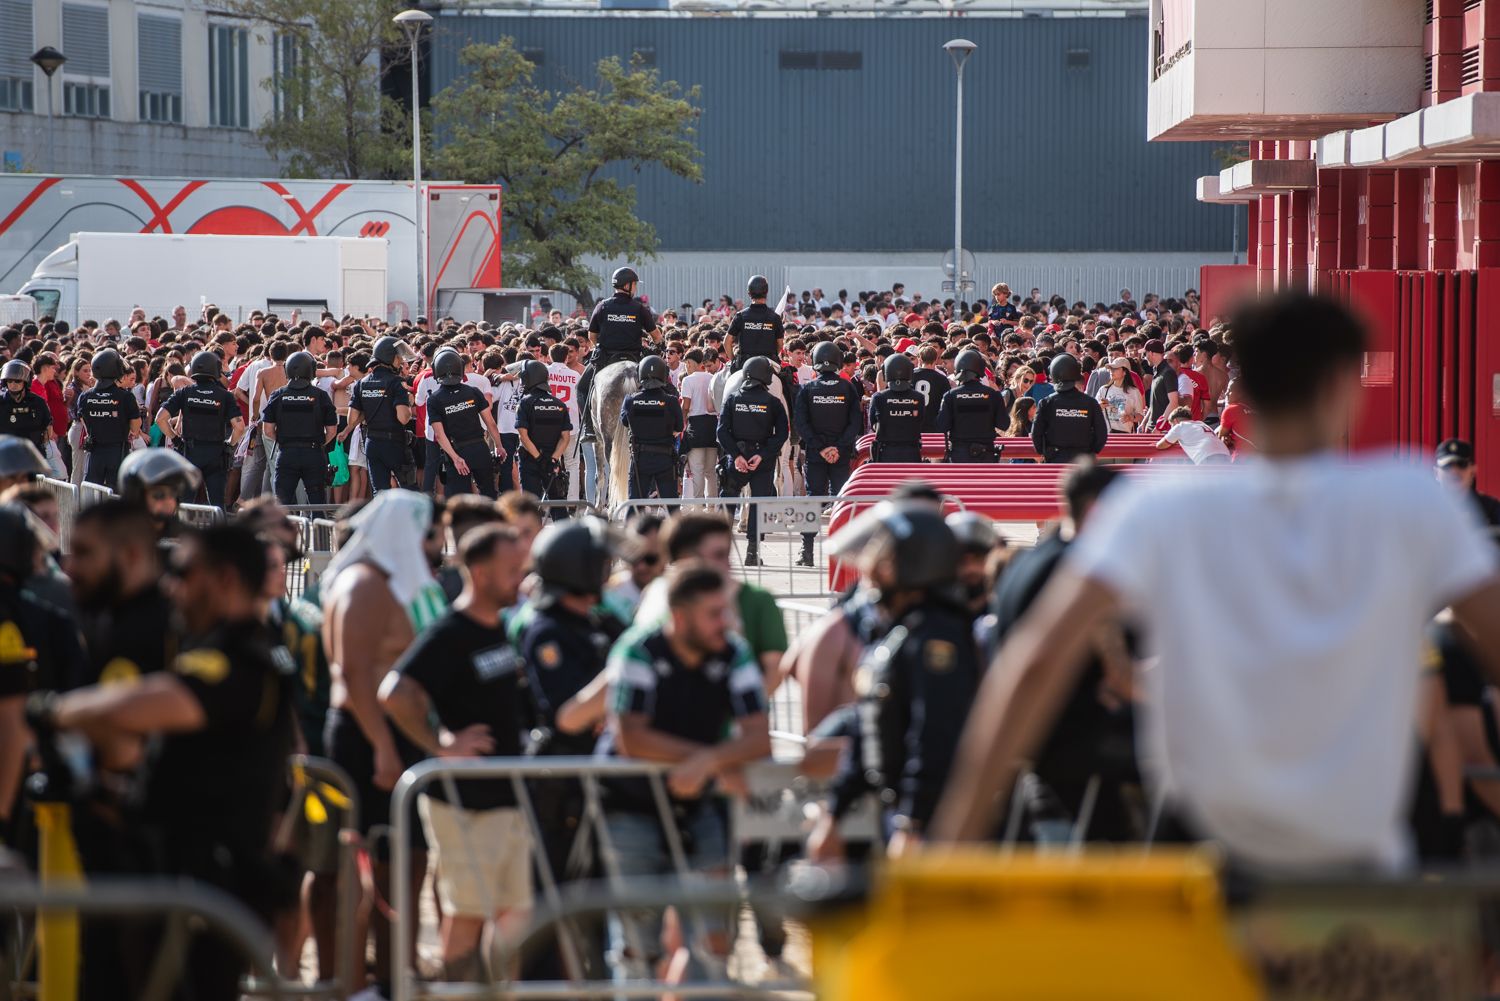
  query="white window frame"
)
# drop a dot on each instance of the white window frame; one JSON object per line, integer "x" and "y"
{"x": 142, "y": 94}
{"x": 242, "y": 77}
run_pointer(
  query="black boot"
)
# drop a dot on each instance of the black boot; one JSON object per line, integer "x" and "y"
{"x": 752, "y": 556}
{"x": 806, "y": 559}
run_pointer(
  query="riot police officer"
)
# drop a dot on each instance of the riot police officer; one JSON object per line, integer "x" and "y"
{"x": 301, "y": 419}
{"x": 459, "y": 415}
{"x": 972, "y": 414}
{"x": 916, "y": 685}
{"x": 380, "y": 402}
{"x": 616, "y": 330}
{"x": 756, "y": 329}
{"x": 753, "y": 427}
{"x": 20, "y": 462}
{"x": 544, "y": 427}
{"x": 23, "y": 413}
{"x": 210, "y": 426}
{"x": 828, "y": 418}
{"x": 1069, "y": 423}
{"x": 897, "y": 414}
{"x": 159, "y": 480}
{"x": 111, "y": 418}
{"x": 654, "y": 416}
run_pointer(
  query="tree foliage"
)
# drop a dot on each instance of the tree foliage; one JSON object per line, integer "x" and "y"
{"x": 335, "y": 122}
{"x": 557, "y": 154}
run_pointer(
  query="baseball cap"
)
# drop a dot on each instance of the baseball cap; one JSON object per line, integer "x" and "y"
{"x": 1117, "y": 363}
{"x": 904, "y": 343}
{"x": 1454, "y": 452}
{"x": 1156, "y": 345}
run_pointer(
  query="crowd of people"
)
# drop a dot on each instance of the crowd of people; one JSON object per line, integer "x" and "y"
{"x": 1269, "y": 625}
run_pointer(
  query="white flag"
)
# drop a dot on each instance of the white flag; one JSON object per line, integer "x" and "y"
{"x": 781, "y": 306}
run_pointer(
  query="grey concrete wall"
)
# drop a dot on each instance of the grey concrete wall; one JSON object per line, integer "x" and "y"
{"x": 102, "y": 146}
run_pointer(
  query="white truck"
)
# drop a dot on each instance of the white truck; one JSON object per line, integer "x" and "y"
{"x": 103, "y": 275}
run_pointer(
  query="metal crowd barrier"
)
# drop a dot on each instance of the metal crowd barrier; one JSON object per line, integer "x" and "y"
{"x": 783, "y": 522}
{"x": 326, "y": 780}
{"x": 188, "y": 909}
{"x": 68, "y": 503}
{"x": 771, "y": 811}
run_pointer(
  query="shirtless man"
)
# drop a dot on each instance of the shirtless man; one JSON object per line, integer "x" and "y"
{"x": 358, "y": 594}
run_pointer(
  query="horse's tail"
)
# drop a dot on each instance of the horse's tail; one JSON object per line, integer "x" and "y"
{"x": 619, "y": 466}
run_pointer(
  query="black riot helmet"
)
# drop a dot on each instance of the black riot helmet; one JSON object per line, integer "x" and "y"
{"x": 758, "y": 370}
{"x": 899, "y": 371}
{"x": 533, "y": 375}
{"x": 108, "y": 367}
{"x": 301, "y": 367}
{"x": 156, "y": 467}
{"x": 206, "y": 365}
{"x": 1065, "y": 371}
{"x": 18, "y": 544}
{"x": 653, "y": 372}
{"x": 575, "y": 556}
{"x": 386, "y": 351}
{"x": 623, "y": 277}
{"x": 969, "y": 366}
{"x": 448, "y": 367}
{"x": 828, "y": 357}
{"x": 19, "y": 457}
{"x": 759, "y": 287}
{"x": 975, "y": 533}
{"x": 16, "y": 369}
{"x": 922, "y": 547}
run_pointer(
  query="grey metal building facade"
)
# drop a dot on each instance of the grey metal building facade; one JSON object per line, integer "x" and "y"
{"x": 836, "y": 133}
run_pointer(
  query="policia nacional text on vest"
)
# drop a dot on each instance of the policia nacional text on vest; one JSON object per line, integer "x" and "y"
{"x": 897, "y": 414}
{"x": 654, "y": 418}
{"x": 210, "y": 423}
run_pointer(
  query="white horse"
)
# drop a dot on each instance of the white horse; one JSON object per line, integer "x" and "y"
{"x": 611, "y": 440}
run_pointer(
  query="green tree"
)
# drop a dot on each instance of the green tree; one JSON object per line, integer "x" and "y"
{"x": 332, "y": 120}
{"x": 552, "y": 153}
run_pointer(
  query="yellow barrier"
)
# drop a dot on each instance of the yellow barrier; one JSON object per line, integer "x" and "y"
{"x": 1035, "y": 927}
{"x": 57, "y": 931}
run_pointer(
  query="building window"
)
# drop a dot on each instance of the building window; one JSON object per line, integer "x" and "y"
{"x": 85, "y": 38}
{"x": 159, "y": 54}
{"x": 287, "y": 65}
{"x": 15, "y": 56}
{"x": 228, "y": 76}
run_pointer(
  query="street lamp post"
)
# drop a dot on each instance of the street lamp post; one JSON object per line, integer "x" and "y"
{"x": 412, "y": 22}
{"x": 49, "y": 60}
{"x": 959, "y": 49}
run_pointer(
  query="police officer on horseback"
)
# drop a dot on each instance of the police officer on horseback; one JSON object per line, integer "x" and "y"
{"x": 972, "y": 414}
{"x": 210, "y": 425}
{"x": 544, "y": 427}
{"x": 654, "y": 416}
{"x": 1069, "y": 423}
{"x": 111, "y": 418}
{"x": 616, "y": 330}
{"x": 756, "y": 329}
{"x": 828, "y": 418}
{"x": 380, "y": 401}
{"x": 301, "y": 419}
{"x": 897, "y": 413}
{"x": 752, "y": 429}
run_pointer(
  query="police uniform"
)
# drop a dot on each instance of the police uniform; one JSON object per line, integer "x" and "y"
{"x": 26, "y": 417}
{"x": 1069, "y": 423}
{"x": 459, "y": 409}
{"x": 545, "y": 419}
{"x": 751, "y": 422}
{"x": 654, "y": 417}
{"x": 107, "y": 413}
{"x": 915, "y": 688}
{"x": 133, "y": 636}
{"x": 207, "y": 410}
{"x": 301, "y": 414}
{"x": 827, "y": 413}
{"x": 898, "y": 416}
{"x": 377, "y": 396}
{"x": 211, "y": 793}
{"x": 618, "y": 324}
{"x": 970, "y": 416}
{"x": 757, "y": 330}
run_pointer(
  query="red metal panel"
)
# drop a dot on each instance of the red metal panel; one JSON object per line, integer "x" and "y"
{"x": 1220, "y": 286}
{"x": 1467, "y": 332}
{"x": 1374, "y": 295}
{"x": 1428, "y": 400}
{"x": 1487, "y": 379}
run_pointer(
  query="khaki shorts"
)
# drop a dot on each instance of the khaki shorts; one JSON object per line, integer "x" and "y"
{"x": 483, "y": 857}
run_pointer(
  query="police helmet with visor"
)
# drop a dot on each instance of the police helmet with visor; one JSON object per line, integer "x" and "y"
{"x": 575, "y": 556}
{"x": 448, "y": 367}
{"x": 157, "y": 467}
{"x": 912, "y": 534}
{"x": 899, "y": 371}
{"x": 1065, "y": 370}
{"x": 828, "y": 357}
{"x": 301, "y": 367}
{"x": 969, "y": 366}
{"x": 758, "y": 370}
{"x": 385, "y": 351}
{"x": 653, "y": 372}
{"x": 206, "y": 365}
{"x": 533, "y": 375}
{"x": 108, "y": 366}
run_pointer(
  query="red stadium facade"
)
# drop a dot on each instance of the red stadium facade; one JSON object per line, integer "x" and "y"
{"x": 1369, "y": 127}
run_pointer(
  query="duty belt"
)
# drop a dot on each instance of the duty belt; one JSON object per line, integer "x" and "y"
{"x": 386, "y": 435}
{"x": 652, "y": 448}
{"x": 300, "y": 442}
{"x": 468, "y": 441}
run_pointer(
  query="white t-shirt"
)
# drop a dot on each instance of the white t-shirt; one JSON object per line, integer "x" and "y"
{"x": 1197, "y": 440}
{"x": 698, "y": 390}
{"x": 429, "y": 385}
{"x": 507, "y": 396}
{"x": 562, "y": 382}
{"x": 247, "y": 385}
{"x": 1116, "y": 403}
{"x": 1287, "y": 603}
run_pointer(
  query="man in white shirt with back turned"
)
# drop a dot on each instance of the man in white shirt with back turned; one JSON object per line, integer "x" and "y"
{"x": 1285, "y": 600}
